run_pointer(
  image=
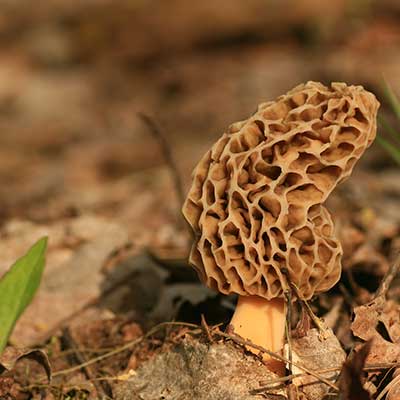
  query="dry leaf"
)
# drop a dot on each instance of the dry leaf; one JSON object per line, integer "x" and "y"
{"x": 317, "y": 352}
{"x": 379, "y": 320}
{"x": 12, "y": 355}
{"x": 350, "y": 384}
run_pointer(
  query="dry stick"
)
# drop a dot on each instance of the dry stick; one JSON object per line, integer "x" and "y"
{"x": 124, "y": 347}
{"x": 288, "y": 321}
{"x": 378, "y": 366}
{"x": 383, "y": 379}
{"x": 288, "y": 298}
{"x": 391, "y": 384}
{"x": 388, "y": 278}
{"x": 239, "y": 340}
{"x": 270, "y": 384}
{"x": 314, "y": 318}
{"x": 368, "y": 367}
{"x": 166, "y": 151}
{"x": 236, "y": 339}
{"x": 206, "y": 328}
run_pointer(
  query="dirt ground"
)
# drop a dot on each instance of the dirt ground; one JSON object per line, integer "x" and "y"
{"x": 79, "y": 164}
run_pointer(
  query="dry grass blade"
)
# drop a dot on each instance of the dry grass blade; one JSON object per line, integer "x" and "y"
{"x": 288, "y": 327}
{"x": 166, "y": 151}
{"x": 393, "y": 99}
{"x": 390, "y": 148}
{"x": 392, "y": 384}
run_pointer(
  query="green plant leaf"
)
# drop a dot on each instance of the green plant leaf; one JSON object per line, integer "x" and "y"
{"x": 18, "y": 286}
{"x": 384, "y": 125}
{"x": 390, "y": 148}
{"x": 394, "y": 101}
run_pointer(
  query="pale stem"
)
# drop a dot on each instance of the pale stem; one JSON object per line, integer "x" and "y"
{"x": 263, "y": 323}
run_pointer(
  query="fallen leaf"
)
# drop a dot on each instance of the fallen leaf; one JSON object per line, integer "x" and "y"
{"x": 350, "y": 383}
{"x": 12, "y": 355}
{"x": 317, "y": 352}
{"x": 379, "y": 320}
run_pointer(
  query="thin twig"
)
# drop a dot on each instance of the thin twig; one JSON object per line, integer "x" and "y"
{"x": 234, "y": 338}
{"x": 126, "y": 346}
{"x": 288, "y": 323}
{"x": 206, "y": 328}
{"x": 298, "y": 375}
{"x": 394, "y": 382}
{"x": 288, "y": 320}
{"x": 304, "y": 302}
{"x": 388, "y": 278}
{"x": 156, "y": 131}
{"x": 239, "y": 340}
{"x": 267, "y": 385}
{"x": 271, "y": 384}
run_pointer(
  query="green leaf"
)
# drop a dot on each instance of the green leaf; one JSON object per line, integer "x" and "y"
{"x": 384, "y": 125}
{"x": 18, "y": 286}
{"x": 390, "y": 148}
{"x": 394, "y": 101}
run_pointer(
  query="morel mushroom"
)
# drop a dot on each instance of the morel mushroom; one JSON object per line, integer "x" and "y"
{"x": 255, "y": 204}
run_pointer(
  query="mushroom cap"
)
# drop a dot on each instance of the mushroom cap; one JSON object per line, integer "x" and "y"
{"x": 255, "y": 204}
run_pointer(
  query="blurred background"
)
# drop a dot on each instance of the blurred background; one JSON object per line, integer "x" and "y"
{"x": 75, "y": 74}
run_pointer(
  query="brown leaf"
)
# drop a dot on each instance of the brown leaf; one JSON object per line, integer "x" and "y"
{"x": 317, "y": 351}
{"x": 379, "y": 320}
{"x": 11, "y": 356}
{"x": 303, "y": 325}
{"x": 350, "y": 383}
{"x": 8, "y": 387}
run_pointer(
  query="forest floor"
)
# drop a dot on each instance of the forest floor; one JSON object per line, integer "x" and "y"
{"x": 117, "y": 301}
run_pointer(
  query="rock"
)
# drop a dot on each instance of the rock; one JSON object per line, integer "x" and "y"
{"x": 194, "y": 370}
{"x": 317, "y": 351}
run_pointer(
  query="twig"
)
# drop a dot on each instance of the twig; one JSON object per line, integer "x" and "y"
{"x": 126, "y": 346}
{"x": 388, "y": 278}
{"x": 394, "y": 382}
{"x": 206, "y": 328}
{"x": 234, "y": 338}
{"x": 288, "y": 323}
{"x": 304, "y": 302}
{"x": 267, "y": 385}
{"x": 378, "y": 366}
{"x": 239, "y": 340}
{"x": 155, "y": 130}
{"x": 271, "y": 384}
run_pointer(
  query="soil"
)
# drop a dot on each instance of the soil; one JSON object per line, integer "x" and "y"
{"x": 78, "y": 163}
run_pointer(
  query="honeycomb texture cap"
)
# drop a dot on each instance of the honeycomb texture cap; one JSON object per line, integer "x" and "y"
{"x": 255, "y": 204}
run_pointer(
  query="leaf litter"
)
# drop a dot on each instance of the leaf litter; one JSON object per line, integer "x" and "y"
{"x": 97, "y": 183}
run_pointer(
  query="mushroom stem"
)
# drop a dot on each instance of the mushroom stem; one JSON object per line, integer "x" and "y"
{"x": 263, "y": 323}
